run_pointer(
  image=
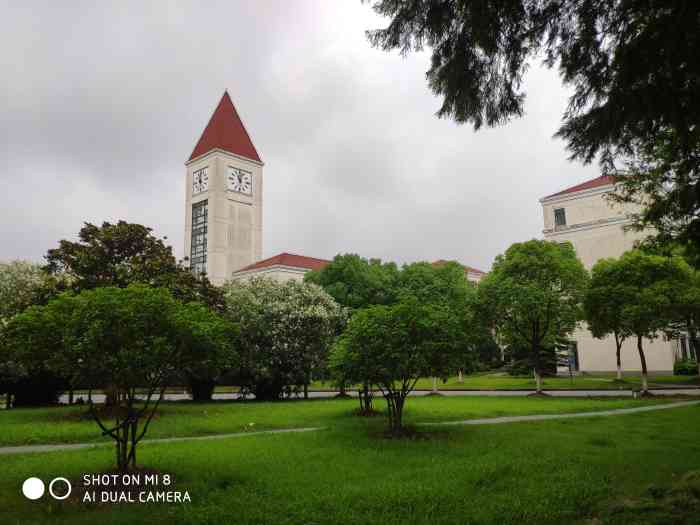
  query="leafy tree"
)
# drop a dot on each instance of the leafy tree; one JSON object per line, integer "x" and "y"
{"x": 134, "y": 338}
{"x": 286, "y": 330}
{"x": 649, "y": 288}
{"x": 356, "y": 282}
{"x": 445, "y": 283}
{"x": 124, "y": 253}
{"x": 208, "y": 342}
{"x": 394, "y": 346}
{"x": 532, "y": 297}
{"x": 603, "y": 305}
{"x": 20, "y": 282}
{"x": 632, "y": 66}
{"x": 661, "y": 175}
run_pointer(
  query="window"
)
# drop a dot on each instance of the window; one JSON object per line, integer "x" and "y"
{"x": 559, "y": 217}
{"x": 573, "y": 357}
{"x": 198, "y": 250}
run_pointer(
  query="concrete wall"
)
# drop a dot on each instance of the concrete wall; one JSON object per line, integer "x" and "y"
{"x": 596, "y": 228}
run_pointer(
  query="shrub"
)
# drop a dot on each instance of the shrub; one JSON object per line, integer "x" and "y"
{"x": 685, "y": 367}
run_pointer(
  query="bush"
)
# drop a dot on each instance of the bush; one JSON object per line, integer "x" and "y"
{"x": 685, "y": 367}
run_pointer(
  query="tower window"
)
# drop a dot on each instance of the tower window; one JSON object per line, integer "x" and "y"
{"x": 559, "y": 217}
{"x": 198, "y": 249}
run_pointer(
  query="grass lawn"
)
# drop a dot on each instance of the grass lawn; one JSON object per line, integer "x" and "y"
{"x": 587, "y": 471}
{"x": 503, "y": 381}
{"x": 71, "y": 424}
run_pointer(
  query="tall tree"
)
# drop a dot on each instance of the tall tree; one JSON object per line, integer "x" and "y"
{"x": 603, "y": 305}
{"x": 632, "y": 65}
{"x": 533, "y": 297}
{"x": 649, "y": 289}
{"x": 124, "y": 253}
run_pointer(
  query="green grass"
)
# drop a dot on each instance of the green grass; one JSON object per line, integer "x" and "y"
{"x": 503, "y": 381}
{"x": 566, "y": 471}
{"x": 71, "y": 424}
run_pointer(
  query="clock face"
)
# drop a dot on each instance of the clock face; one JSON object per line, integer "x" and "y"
{"x": 240, "y": 181}
{"x": 200, "y": 181}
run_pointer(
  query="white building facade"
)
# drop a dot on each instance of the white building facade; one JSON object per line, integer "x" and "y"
{"x": 595, "y": 226}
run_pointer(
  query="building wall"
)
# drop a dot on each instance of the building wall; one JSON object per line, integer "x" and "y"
{"x": 596, "y": 228}
{"x": 234, "y": 219}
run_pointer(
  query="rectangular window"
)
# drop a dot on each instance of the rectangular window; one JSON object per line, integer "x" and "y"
{"x": 573, "y": 356}
{"x": 198, "y": 250}
{"x": 559, "y": 217}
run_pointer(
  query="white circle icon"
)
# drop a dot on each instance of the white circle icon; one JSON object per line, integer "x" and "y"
{"x": 33, "y": 488}
{"x": 68, "y": 485}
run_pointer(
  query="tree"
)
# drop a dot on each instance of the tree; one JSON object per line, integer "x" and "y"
{"x": 532, "y": 297}
{"x": 286, "y": 330}
{"x": 632, "y": 65}
{"x": 661, "y": 176}
{"x": 649, "y": 289}
{"x": 603, "y": 305}
{"x": 355, "y": 282}
{"x": 125, "y": 253}
{"x": 20, "y": 282}
{"x": 208, "y": 342}
{"x": 134, "y": 338}
{"x": 445, "y": 283}
{"x": 394, "y": 346}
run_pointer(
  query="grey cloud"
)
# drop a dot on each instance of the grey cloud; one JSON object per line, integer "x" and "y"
{"x": 102, "y": 104}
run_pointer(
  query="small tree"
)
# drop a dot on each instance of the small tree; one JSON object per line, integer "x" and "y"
{"x": 356, "y": 282}
{"x": 286, "y": 330}
{"x": 132, "y": 338}
{"x": 649, "y": 289}
{"x": 394, "y": 346}
{"x": 603, "y": 305}
{"x": 532, "y": 297}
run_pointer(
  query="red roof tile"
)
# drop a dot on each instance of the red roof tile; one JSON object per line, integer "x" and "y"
{"x": 467, "y": 269}
{"x": 288, "y": 259}
{"x": 225, "y": 131}
{"x": 603, "y": 180}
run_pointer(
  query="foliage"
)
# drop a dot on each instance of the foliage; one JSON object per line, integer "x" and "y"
{"x": 661, "y": 175}
{"x": 532, "y": 297}
{"x": 685, "y": 367}
{"x": 393, "y": 346}
{"x": 124, "y": 253}
{"x": 129, "y": 338}
{"x": 648, "y": 289}
{"x": 19, "y": 285}
{"x": 355, "y": 282}
{"x": 632, "y": 65}
{"x": 286, "y": 330}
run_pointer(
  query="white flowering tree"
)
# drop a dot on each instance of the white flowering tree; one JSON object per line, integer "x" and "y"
{"x": 286, "y": 330}
{"x": 19, "y": 285}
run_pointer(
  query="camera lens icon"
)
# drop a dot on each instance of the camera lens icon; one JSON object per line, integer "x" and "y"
{"x": 33, "y": 488}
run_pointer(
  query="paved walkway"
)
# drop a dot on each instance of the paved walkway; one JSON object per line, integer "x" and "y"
{"x": 27, "y": 449}
{"x": 317, "y": 394}
{"x": 544, "y": 417}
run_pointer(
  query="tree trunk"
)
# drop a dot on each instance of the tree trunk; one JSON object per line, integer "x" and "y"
{"x": 460, "y": 378}
{"x": 435, "y": 385}
{"x": 306, "y": 391}
{"x": 645, "y": 384}
{"x": 618, "y": 349}
{"x": 538, "y": 381}
{"x": 70, "y": 396}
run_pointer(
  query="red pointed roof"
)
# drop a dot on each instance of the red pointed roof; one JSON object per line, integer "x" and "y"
{"x": 603, "y": 180}
{"x": 226, "y": 131}
{"x": 288, "y": 259}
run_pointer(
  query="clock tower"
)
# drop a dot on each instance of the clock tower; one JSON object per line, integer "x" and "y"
{"x": 223, "y": 198}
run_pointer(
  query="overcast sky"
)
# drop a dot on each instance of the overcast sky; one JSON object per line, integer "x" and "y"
{"x": 101, "y": 106}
